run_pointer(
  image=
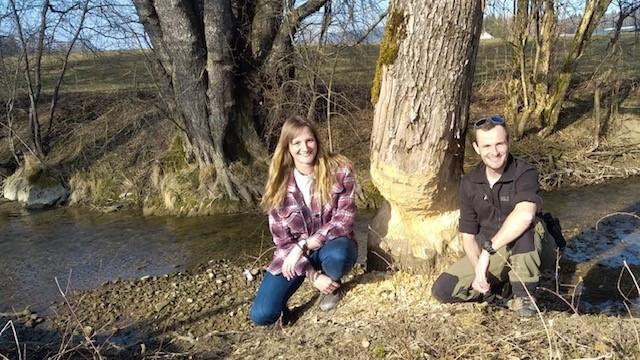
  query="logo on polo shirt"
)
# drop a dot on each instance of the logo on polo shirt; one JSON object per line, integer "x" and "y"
{"x": 504, "y": 198}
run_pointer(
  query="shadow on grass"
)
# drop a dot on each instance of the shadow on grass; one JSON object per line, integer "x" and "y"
{"x": 146, "y": 338}
{"x": 582, "y": 102}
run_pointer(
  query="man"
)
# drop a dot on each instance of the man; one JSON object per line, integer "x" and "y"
{"x": 498, "y": 204}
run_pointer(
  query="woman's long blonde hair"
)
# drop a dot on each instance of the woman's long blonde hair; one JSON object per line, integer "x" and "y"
{"x": 282, "y": 163}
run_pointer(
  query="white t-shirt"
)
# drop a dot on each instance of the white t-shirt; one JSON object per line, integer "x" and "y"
{"x": 304, "y": 184}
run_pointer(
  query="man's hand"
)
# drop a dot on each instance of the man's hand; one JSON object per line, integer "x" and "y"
{"x": 480, "y": 282}
{"x": 324, "y": 283}
{"x": 289, "y": 264}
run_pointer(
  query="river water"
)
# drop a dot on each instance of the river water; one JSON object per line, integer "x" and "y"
{"x": 82, "y": 248}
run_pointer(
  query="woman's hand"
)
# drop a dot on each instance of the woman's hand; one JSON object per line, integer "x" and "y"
{"x": 324, "y": 283}
{"x": 313, "y": 242}
{"x": 289, "y": 264}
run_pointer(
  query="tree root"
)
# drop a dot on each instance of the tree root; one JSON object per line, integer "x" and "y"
{"x": 236, "y": 187}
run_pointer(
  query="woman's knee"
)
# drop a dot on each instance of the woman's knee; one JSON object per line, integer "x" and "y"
{"x": 263, "y": 315}
{"x": 342, "y": 250}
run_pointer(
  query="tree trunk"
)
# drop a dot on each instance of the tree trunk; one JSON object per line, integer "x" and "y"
{"x": 518, "y": 86}
{"x": 594, "y": 9}
{"x": 417, "y": 143}
{"x": 536, "y": 97}
{"x": 597, "y": 118}
{"x": 215, "y": 55}
{"x": 528, "y": 91}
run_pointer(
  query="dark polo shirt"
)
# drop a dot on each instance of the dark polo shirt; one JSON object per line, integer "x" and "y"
{"x": 483, "y": 209}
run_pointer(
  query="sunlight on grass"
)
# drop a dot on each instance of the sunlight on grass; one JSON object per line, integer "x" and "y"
{"x": 114, "y": 71}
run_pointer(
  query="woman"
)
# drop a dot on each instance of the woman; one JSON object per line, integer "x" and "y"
{"x": 309, "y": 197}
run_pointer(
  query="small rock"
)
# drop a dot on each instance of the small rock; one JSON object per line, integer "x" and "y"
{"x": 247, "y": 275}
{"x": 189, "y": 300}
{"x": 146, "y": 277}
{"x": 365, "y": 343}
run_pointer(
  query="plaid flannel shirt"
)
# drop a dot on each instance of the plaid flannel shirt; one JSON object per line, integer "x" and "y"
{"x": 294, "y": 221}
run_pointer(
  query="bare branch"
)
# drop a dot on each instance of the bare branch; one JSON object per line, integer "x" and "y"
{"x": 63, "y": 70}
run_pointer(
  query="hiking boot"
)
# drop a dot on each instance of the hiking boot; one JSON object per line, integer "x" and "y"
{"x": 523, "y": 306}
{"x": 329, "y": 302}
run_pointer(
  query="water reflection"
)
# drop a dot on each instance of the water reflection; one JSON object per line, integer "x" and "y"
{"x": 594, "y": 257}
{"x": 89, "y": 248}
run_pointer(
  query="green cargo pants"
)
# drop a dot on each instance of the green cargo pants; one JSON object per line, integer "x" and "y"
{"x": 521, "y": 269}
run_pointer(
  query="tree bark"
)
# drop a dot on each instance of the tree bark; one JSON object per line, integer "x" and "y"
{"x": 536, "y": 96}
{"x": 529, "y": 90}
{"x": 417, "y": 142}
{"x": 216, "y": 55}
{"x": 594, "y": 9}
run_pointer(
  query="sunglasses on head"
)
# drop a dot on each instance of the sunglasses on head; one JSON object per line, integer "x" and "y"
{"x": 494, "y": 119}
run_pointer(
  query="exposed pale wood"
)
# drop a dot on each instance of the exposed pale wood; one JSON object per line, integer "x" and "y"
{"x": 417, "y": 142}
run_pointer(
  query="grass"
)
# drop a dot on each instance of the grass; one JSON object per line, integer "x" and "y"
{"x": 353, "y": 67}
{"x": 107, "y": 71}
{"x": 494, "y": 56}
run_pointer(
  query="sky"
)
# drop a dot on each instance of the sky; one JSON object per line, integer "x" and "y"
{"x": 112, "y": 24}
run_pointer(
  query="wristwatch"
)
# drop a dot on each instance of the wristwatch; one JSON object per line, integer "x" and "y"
{"x": 488, "y": 246}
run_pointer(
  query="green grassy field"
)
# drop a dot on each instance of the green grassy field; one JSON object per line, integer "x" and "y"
{"x": 494, "y": 56}
{"x": 350, "y": 68}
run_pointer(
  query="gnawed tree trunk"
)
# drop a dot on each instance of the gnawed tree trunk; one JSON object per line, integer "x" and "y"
{"x": 216, "y": 55}
{"x": 425, "y": 71}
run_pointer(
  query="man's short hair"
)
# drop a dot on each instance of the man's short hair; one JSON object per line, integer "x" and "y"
{"x": 489, "y": 122}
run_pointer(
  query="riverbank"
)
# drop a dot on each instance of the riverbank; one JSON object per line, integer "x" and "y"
{"x": 122, "y": 152}
{"x": 202, "y": 313}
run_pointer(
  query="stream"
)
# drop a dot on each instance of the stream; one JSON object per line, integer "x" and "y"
{"x": 81, "y": 249}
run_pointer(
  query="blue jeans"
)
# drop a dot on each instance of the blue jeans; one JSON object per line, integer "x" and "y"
{"x": 335, "y": 259}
